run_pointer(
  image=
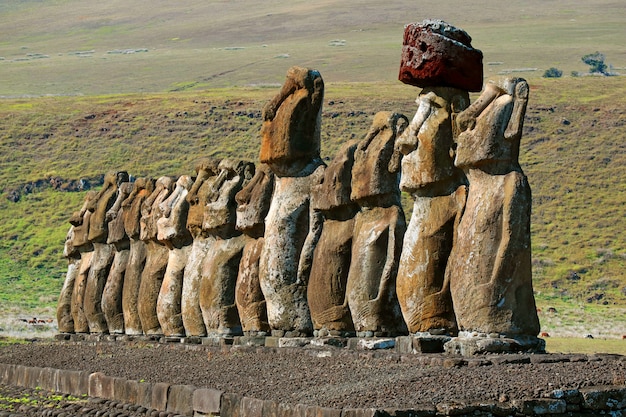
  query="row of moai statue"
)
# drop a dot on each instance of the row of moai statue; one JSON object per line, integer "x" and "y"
{"x": 295, "y": 247}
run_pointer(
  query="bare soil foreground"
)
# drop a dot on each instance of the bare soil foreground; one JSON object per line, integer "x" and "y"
{"x": 330, "y": 377}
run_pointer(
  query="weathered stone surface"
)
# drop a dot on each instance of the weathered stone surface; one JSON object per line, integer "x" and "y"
{"x": 221, "y": 267}
{"x": 197, "y": 197}
{"x": 326, "y": 292}
{"x": 112, "y": 293}
{"x": 290, "y": 145}
{"x": 439, "y": 193}
{"x": 142, "y": 189}
{"x": 435, "y": 53}
{"x": 157, "y": 256}
{"x": 207, "y": 401}
{"x": 80, "y": 222}
{"x": 469, "y": 345}
{"x": 490, "y": 265}
{"x": 253, "y": 202}
{"x": 103, "y": 254}
{"x": 65, "y": 320}
{"x": 290, "y": 135}
{"x": 378, "y": 230}
{"x": 180, "y": 399}
{"x": 172, "y": 231}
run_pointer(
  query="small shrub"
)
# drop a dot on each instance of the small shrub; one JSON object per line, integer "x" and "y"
{"x": 553, "y": 73}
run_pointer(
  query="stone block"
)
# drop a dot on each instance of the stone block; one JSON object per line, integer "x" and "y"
{"x": 160, "y": 391}
{"x": 422, "y": 411}
{"x": 270, "y": 409}
{"x": 323, "y": 412}
{"x": 293, "y": 342}
{"x": 231, "y": 405}
{"x": 20, "y": 375}
{"x": 125, "y": 391}
{"x": 180, "y": 399}
{"x": 435, "y": 53}
{"x": 430, "y": 344}
{"x": 144, "y": 394}
{"x": 272, "y": 341}
{"x": 539, "y": 407}
{"x": 361, "y": 412}
{"x": 207, "y": 401}
{"x": 603, "y": 398}
{"x": 251, "y": 407}
{"x": 32, "y": 377}
{"x": 48, "y": 379}
{"x": 101, "y": 386}
{"x": 404, "y": 344}
{"x": 375, "y": 344}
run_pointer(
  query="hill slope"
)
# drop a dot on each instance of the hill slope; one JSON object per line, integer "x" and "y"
{"x": 76, "y": 46}
{"x": 573, "y": 153}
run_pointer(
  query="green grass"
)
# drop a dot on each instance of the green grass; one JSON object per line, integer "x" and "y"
{"x": 577, "y": 345}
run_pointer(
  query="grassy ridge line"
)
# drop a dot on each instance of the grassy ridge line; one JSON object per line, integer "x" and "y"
{"x": 207, "y": 36}
{"x": 571, "y": 152}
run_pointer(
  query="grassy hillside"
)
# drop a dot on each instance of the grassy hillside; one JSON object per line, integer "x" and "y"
{"x": 152, "y": 86}
{"x": 74, "y": 46}
{"x": 573, "y": 153}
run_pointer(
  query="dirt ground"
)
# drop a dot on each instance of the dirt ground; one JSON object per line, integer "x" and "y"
{"x": 330, "y": 377}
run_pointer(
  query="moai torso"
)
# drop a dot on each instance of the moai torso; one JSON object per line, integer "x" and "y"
{"x": 112, "y": 293}
{"x": 157, "y": 256}
{"x": 490, "y": 265}
{"x": 65, "y": 320}
{"x": 80, "y": 242}
{"x": 197, "y": 198}
{"x": 438, "y": 57}
{"x": 142, "y": 189}
{"x": 221, "y": 266}
{"x": 326, "y": 291}
{"x": 290, "y": 145}
{"x": 253, "y": 202}
{"x": 173, "y": 233}
{"x": 103, "y": 253}
{"x": 378, "y": 230}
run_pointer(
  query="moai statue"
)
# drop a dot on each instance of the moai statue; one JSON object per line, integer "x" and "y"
{"x": 221, "y": 266}
{"x": 157, "y": 256}
{"x": 65, "y": 320}
{"x": 253, "y": 203}
{"x": 112, "y": 293}
{"x": 439, "y": 58}
{"x": 290, "y": 146}
{"x": 103, "y": 252}
{"x": 80, "y": 223}
{"x": 172, "y": 232}
{"x": 197, "y": 196}
{"x": 490, "y": 265}
{"x": 142, "y": 189}
{"x": 378, "y": 230}
{"x": 326, "y": 291}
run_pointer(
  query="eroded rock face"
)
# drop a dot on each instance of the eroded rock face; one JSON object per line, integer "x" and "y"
{"x": 65, "y": 321}
{"x": 157, "y": 256}
{"x": 490, "y": 264}
{"x": 173, "y": 233}
{"x": 253, "y": 202}
{"x": 221, "y": 266}
{"x": 142, "y": 189}
{"x": 197, "y": 197}
{"x": 326, "y": 292}
{"x": 112, "y": 293}
{"x": 439, "y": 191}
{"x": 290, "y": 146}
{"x": 378, "y": 230}
{"x": 435, "y": 53}
{"x": 103, "y": 253}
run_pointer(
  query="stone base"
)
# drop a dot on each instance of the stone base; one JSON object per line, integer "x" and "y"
{"x": 422, "y": 343}
{"x": 468, "y": 345}
{"x": 339, "y": 342}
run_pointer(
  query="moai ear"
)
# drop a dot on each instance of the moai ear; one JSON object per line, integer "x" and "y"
{"x": 520, "y": 101}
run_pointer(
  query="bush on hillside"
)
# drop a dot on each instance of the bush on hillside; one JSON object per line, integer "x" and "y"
{"x": 552, "y": 73}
